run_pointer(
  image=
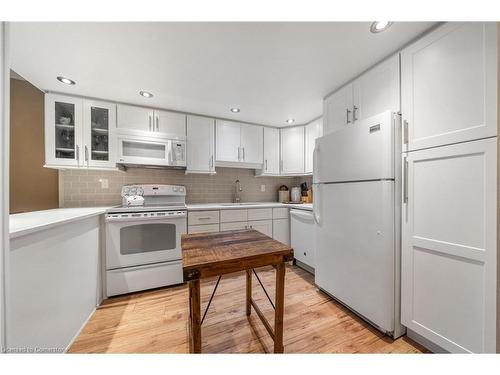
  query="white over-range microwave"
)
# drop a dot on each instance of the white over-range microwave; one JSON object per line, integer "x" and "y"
{"x": 151, "y": 151}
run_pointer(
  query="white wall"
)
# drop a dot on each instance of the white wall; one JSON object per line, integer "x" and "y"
{"x": 4, "y": 173}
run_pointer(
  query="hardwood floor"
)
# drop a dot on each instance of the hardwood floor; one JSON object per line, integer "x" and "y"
{"x": 156, "y": 321}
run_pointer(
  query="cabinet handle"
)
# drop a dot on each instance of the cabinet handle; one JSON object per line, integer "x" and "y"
{"x": 87, "y": 155}
{"x": 243, "y": 153}
{"x": 405, "y": 132}
{"x": 149, "y": 122}
{"x": 347, "y": 112}
{"x": 354, "y": 109}
{"x": 405, "y": 181}
{"x": 157, "y": 124}
{"x": 78, "y": 153}
{"x": 239, "y": 156}
{"x": 266, "y": 165}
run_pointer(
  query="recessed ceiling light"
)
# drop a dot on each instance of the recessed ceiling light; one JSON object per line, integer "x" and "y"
{"x": 235, "y": 110}
{"x": 290, "y": 121}
{"x": 146, "y": 94}
{"x": 379, "y": 26}
{"x": 66, "y": 80}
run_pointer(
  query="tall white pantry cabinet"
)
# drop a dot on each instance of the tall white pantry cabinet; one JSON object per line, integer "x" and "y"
{"x": 449, "y": 213}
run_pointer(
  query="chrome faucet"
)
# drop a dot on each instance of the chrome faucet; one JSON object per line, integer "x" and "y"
{"x": 238, "y": 190}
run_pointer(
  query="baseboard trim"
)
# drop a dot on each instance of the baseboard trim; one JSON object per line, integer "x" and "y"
{"x": 79, "y": 330}
{"x": 424, "y": 342}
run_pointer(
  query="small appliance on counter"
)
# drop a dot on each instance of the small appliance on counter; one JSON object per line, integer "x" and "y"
{"x": 295, "y": 195}
{"x": 283, "y": 194}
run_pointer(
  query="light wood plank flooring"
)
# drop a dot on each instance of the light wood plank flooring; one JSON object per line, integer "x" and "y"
{"x": 156, "y": 321}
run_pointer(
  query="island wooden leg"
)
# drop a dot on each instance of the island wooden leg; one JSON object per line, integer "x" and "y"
{"x": 249, "y": 292}
{"x": 194, "y": 317}
{"x": 280, "y": 308}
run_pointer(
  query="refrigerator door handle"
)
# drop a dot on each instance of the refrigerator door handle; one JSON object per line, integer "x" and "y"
{"x": 405, "y": 180}
{"x": 316, "y": 203}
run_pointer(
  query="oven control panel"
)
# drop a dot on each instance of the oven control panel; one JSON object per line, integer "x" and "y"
{"x": 123, "y": 216}
{"x": 153, "y": 190}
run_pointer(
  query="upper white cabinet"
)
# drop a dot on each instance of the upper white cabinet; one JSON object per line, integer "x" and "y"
{"x": 449, "y": 85}
{"x": 292, "y": 150}
{"x": 134, "y": 118}
{"x": 252, "y": 143}
{"x": 374, "y": 92}
{"x": 449, "y": 245}
{"x": 239, "y": 145}
{"x": 271, "y": 164}
{"x": 377, "y": 90}
{"x": 228, "y": 141}
{"x": 337, "y": 109}
{"x": 171, "y": 124}
{"x": 313, "y": 130}
{"x": 200, "y": 144}
{"x": 163, "y": 123}
{"x": 99, "y": 140}
{"x": 79, "y": 133}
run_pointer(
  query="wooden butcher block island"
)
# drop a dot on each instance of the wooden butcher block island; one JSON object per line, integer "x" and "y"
{"x": 219, "y": 253}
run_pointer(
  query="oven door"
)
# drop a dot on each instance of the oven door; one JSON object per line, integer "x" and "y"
{"x": 134, "y": 241}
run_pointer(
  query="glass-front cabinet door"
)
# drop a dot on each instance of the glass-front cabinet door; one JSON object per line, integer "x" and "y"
{"x": 63, "y": 131}
{"x": 99, "y": 148}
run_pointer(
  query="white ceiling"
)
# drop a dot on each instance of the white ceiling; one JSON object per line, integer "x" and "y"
{"x": 272, "y": 71}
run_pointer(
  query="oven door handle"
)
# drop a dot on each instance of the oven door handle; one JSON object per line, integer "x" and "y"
{"x": 110, "y": 218}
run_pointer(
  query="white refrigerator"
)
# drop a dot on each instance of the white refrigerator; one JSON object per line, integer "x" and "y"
{"x": 357, "y": 209}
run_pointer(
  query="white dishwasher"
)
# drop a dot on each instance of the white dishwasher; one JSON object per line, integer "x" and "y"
{"x": 302, "y": 238}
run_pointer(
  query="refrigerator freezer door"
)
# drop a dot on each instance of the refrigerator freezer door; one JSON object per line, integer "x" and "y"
{"x": 363, "y": 151}
{"x": 355, "y": 248}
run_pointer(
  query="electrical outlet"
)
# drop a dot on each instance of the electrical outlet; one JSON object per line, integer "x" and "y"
{"x": 104, "y": 183}
{"x": 262, "y": 188}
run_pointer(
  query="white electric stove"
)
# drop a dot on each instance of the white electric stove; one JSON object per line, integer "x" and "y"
{"x": 143, "y": 238}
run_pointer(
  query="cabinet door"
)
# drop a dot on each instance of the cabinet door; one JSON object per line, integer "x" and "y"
{"x": 281, "y": 231}
{"x": 200, "y": 145}
{"x": 449, "y": 85}
{"x": 263, "y": 226}
{"x": 251, "y": 141}
{"x": 449, "y": 246}
{"x": 271, "y": 151}
{"x": 233, "y": 226}
{"x": 292, "y": 150}
{"x": 63, "y": 131}
{"x": 134, "y": 118}
{"x": 377, "y": 90}
{"x": 100, "y": 143}
{"x": 312, "y": 131}
{"x": 170, "y": 124}
{"x": 228, "y": 141}
{"x": 337, "y": 109}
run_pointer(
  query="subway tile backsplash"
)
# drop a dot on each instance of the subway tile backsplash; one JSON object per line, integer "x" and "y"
{"x": 79, "y": 188}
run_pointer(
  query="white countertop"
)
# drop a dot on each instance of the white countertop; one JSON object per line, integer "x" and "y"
{"x": 246, "y": 205}
{"x": 29, "y": 222}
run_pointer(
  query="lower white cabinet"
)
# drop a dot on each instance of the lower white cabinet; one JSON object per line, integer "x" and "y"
{"x": 263, "y": 226}
{"x": 449, "y": 245}
{"x": 234, "y": 226}
{"x": 281, "y": 230}
{"x": 273, "y": 222}
{"x": 203, "y": 228}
